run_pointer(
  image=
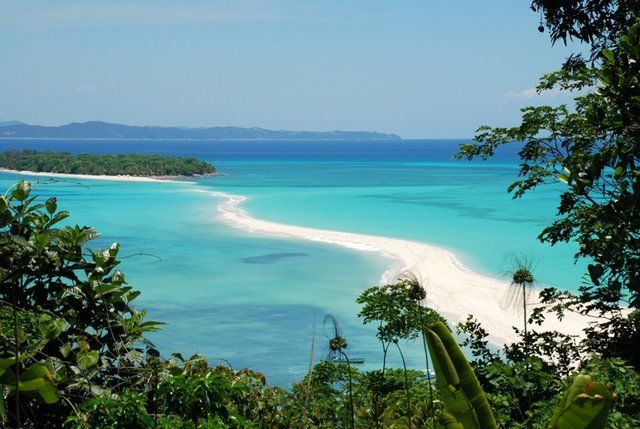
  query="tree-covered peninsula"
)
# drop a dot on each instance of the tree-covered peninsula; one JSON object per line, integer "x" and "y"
{"x": 108, "y": 164}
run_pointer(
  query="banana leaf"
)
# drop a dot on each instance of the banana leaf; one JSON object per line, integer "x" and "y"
{"x": 461, "y": 393}
{"x": 585, "y": 405}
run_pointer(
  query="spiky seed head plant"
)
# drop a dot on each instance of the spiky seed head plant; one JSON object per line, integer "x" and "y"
{"x": 522, "y": 276}
{"x": 522, "y": 282}
{"x": 415, "y": 290}
{"x": 519, "y": 294}
{"x": 337, "y": 343}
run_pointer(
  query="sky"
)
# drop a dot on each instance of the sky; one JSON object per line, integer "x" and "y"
{"x": 420, "y": 69}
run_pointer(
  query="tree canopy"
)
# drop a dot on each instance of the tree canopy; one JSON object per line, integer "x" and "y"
{"x": 109, "y": 164}
{"x": 593, "y": 150}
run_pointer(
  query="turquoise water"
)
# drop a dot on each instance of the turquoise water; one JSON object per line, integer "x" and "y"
{"x": 254, "y": 300}
{"x": 455, "y": 205}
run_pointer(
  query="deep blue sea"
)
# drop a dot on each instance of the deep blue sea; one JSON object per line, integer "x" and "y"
{"x": 256, "y": 300}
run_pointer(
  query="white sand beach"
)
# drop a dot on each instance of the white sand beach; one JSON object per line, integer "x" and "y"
{"x": 452, "y": 289}
{"x": 93, "y": 177}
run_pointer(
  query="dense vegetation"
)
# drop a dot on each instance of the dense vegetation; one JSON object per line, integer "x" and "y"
{"x": 74, "y": 354}
{"x": 592, "y": 148}
{"x": 110, "y": 165}
{"x": 73, "y": 350}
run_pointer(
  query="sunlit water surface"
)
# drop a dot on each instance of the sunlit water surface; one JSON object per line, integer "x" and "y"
{"x": 256, "y": 300}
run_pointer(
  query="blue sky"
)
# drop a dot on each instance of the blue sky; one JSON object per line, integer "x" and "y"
{"x": 421, "y": 69}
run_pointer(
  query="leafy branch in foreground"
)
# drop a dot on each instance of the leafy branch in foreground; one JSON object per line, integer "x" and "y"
{"x": 585, "y": 404}
{"x": 398, "y": 310}
{"x": 595, "y": 22}
{"x": 593, "y": 153}
{"x": 69, "y": 309}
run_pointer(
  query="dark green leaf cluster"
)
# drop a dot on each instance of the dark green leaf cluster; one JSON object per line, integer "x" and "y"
{"x": 78, "y": 338}
{"x": 188, "y": 394}
{"x": 593, "y": 152}
{"x": 596, "y": 22}
{"x": 398, "y": 310}
{"x": 320, "y": 400}
{"x": 63, "y": 306}
{"x": 109, "y": 165}
{"x": 524, "y": 380}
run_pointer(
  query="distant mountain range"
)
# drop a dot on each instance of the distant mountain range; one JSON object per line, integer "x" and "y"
{"x": 106, "y": 130}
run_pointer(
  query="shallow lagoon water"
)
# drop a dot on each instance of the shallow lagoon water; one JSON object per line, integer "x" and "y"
{"x": 254, "y": 300}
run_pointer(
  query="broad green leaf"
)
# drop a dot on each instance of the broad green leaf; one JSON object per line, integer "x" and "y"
{"x": 609, "y": 55}
{"x": 50, "y": 327}
{"x": 35, "y": 371}
{"x": 585, "y": 405}
{"x": 87, "y": 359}
{"x": 459, "y": 388}
{"x": 6, "y": 363}
{"x": 21, "y": 191}
{"x": 447, "y": 421}
{"x": 61, "y": 215}
{"x": 51, "y": 205}
{"x": 3, "y": 406}
{"x": 49, "y": 393}
{"x": 33, "y": 385}
{"x": 65, "y": 349}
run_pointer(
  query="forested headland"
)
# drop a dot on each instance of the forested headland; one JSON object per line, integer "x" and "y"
{"x": 108, "y": 164}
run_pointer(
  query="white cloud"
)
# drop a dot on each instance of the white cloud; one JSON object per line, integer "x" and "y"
{"x": 86, "y": 89}
{"x": 532, "y": 94}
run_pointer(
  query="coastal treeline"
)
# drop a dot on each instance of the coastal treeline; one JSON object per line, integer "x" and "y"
{"x": 108, "y": 164}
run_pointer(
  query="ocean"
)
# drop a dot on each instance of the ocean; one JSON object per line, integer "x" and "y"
{"x": 255, "y": 300}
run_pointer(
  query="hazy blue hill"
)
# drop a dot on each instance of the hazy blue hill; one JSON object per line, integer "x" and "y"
{"x": 9, "y": 123}
{"x": 98, "y": 129}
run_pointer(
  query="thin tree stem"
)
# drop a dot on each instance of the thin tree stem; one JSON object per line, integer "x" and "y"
{"x": 406, "y": 386}
{"x": 16, "y": 351}
{"x": 426, "y": 358}
{"x": 526, "y": 342}
{"x": 352, "y": 413}
{"x": 524, "y": 311}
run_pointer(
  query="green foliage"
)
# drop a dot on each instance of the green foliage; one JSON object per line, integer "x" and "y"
{"x": 321, "y": 400}
{"x": 523, "y": 380}
{"x": 34, "y": 381}
{"x": 585, "y": 405}
{"x": 400, "y": 313}
{"x": 594, "y": 151}
{"x": 397, "y": 309}
{"x": 68, "y": 329}
{"x": 195, "y": 397}
{"x": 523, "y": 388}
{"x": 72, "y": 307}
{"x": 100, "y": 364}
{"x": 125, "y": 411}
{"x": 596, "y": 22}
{"x": 625, "y": 382}
{"x": 459, "y": 388}
{"x": 110, "y": 164}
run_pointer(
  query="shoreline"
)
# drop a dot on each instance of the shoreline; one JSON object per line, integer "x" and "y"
{"x": 452, "y": 289}
{"x": 123, "y": 178}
